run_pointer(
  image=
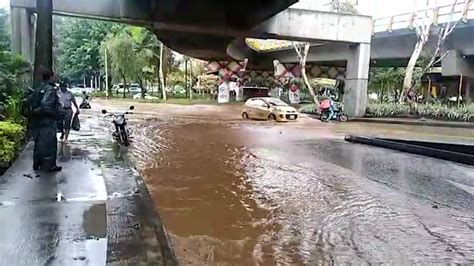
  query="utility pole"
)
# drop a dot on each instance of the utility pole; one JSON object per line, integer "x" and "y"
{"x": 192, "y": 79}
{"x": 186, "y": 76}
{"x": 44, "y": 39}
{"x": 106, "y": 77}
{"x": 162, "y": 77}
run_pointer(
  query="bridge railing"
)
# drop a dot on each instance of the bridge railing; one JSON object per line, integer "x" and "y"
{"x": 463, "y": 11}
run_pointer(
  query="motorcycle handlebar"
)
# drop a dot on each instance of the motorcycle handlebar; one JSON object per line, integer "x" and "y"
{"x": 106, "y": 114}
{"x": 114, "y": 114}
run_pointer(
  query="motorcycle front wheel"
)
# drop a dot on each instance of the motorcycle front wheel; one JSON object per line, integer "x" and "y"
{"x": 124, "y": 137}
{"x": 343, "y": 117}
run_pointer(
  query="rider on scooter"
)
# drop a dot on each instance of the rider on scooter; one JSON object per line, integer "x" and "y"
{"x": 85, "y": 96}
{"x": 85, "y": 104}
{"x": 328, "y": 105}
{"x": 332, "y": 107}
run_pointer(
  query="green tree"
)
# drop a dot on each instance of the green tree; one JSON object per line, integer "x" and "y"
{"x": 12, "y": 70}
{"x": 147, "y": 50}
{"x": 79, "y": 45}
{"x": 12, "y": 83}
{"x": 207, "y": 83}
{"x": 123, "y": 60}
{"x": 4, "y": 30}
{"x": 386, "y": 80}
{"x": 177, "y": 79}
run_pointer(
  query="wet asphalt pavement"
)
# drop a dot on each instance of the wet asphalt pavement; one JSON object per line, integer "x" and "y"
{"x": 95, "y": 212}
{"x": 232, "y": 192}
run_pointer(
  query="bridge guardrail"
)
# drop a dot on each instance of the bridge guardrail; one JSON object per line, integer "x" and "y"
{"x": 463, "y": 11}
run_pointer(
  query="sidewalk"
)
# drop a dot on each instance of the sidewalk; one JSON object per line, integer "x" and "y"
{"x": 97, "y": 211}
{"x": 415, "y": 122}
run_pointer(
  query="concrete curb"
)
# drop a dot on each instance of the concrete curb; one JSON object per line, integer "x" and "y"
{"x": 415, "y": 122}
{"x": 166, "y": 248}
{"x": 420, "y": 149}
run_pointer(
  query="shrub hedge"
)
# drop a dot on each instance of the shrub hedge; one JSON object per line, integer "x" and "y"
{"x": 433, "y": 111}
{"x": 11, "y": 138}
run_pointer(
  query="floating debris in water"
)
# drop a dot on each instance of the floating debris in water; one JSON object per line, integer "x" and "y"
{"x": 28, "y": 176}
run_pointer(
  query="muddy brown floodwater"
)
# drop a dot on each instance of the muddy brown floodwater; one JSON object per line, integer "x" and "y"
{"x": 234, "y": 192}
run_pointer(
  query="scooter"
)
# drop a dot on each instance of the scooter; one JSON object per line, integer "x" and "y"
{"x": 85, "y": 103}
{"x": 338, "y": 114}
{"x": 122, "y": 133}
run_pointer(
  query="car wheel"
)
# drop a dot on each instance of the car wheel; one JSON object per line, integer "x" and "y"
{"x": 245, "y": 116}
{"x": 272, "y": 117}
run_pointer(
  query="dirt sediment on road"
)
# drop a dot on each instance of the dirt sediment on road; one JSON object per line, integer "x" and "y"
{"x": 245, "y": 192}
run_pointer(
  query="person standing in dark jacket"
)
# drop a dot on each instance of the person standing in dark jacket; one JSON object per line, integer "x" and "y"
{"x": 46, "y": 113}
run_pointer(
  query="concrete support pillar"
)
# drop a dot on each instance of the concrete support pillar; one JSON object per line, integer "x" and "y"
{"x": 357, "y": 76}
{"x": 23, "y": 33}
{"x": 455, "y": 64}
{"x": 44, "y": 38}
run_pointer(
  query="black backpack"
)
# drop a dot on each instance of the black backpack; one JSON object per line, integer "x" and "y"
{"x": 32, "y": 101}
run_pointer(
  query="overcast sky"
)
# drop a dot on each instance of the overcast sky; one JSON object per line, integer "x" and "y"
{"x": 375, "y": 8}
{"x": 4, "y": 3}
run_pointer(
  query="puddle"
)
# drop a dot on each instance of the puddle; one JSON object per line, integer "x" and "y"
{"x": 95, "y": 222}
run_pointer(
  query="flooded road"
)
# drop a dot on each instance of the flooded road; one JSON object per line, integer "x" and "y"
{"x": 255, "y": 193}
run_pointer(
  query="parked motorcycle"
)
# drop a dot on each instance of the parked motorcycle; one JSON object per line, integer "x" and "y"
{"x": 338, "y": 114}
{"x": 122, "y": 132}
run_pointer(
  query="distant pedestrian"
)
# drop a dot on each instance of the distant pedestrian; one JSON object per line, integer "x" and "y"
{"x": 66, "y": 99}
{"x": 412, "y": 101}
{"x": 44, "y": 128}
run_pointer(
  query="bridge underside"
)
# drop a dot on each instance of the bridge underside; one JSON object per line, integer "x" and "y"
{"x": 216, "y": 30}
{"x": 201, "y": 29}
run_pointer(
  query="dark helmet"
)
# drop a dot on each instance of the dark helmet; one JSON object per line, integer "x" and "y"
{"x": 45, "y": 73}
{"x": 63, "y": 84}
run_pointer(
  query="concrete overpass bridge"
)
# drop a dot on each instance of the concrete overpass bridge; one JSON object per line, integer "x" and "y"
{"x": 216, "y": 30}
{"x": 394, "y": 39}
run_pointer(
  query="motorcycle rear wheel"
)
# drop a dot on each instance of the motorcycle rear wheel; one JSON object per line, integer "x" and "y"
{"x": 325, "y": 117}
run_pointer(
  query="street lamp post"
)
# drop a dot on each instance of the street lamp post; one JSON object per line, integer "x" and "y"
{"x": 106, "y": 77}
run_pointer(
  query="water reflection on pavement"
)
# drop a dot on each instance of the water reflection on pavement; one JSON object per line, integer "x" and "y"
{"x": 257, "y": 193}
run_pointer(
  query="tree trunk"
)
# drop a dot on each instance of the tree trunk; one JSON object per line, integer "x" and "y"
{"x": 124, "y": 85}
{"x": 109, "y": 88}
{"x": 142, "y": 88}
{"x": 381, "y": 92}
{"x": 305, "y": 77}
{"x": 158, "y": 76}
{"x": 186, "y": 77}
{"x": 408, "y": 81}
{"x": 162, "y": 79}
